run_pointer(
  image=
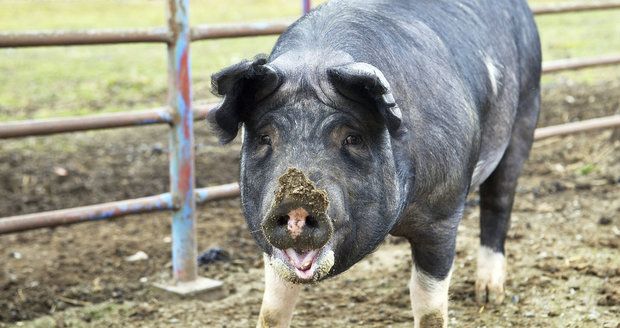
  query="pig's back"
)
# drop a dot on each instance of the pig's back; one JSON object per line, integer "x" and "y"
{"x": 456, "y": 67}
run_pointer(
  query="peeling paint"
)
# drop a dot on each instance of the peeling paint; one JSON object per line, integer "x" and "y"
{"x": 305, "y": 6}
{"x": 181, "y": 144}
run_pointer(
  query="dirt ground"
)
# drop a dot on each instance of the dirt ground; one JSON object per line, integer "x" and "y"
{"x": 563, "y": 248}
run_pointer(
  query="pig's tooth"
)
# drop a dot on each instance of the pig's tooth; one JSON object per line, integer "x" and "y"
{"x": 290, "y": 252}
{"x": 309, "y": 256}
{"x": 308, "y": 259}
{"x": 293, "y": 256}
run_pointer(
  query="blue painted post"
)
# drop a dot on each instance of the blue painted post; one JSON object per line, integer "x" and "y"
{"x": 305, "y": 5}
{"x": 181, "y": 144}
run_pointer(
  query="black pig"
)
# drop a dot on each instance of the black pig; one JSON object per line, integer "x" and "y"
{"x": 385, "y": 113}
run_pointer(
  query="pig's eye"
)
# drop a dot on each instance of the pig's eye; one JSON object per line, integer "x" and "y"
{"x": 352, "y": 140}
{"x": 264, "y": 140}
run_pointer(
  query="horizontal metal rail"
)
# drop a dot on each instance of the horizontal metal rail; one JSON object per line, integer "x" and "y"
{"x": 164, "y": 201}
{"x": 145, "y": 35}
{"x": 230, "y": 190}
{"x": 83, "y": 37}
{"x": 94, "y": 122}
{"x": 203, "y": 32}
{"x": 577, "y": 127}
{"x": 109, "y": 210}
{"x": 162, "y": 115}
{"x": 575, "y": 7}
{"x": 223, "y": 31}
{"x": 579, "y": 63}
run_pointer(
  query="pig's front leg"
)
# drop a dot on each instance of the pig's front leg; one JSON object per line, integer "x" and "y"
{"x": 429, "y": 299}
{"x": 278, "y": 301}
{"x": 433, "y": 256}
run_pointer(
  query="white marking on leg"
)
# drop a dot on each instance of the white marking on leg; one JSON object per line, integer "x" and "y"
{"x": 490, "y": 277}
{"x": 278, "y": 301}
{"x": 429, "y": 299}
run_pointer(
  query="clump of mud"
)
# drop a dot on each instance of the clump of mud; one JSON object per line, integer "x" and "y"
{"x": 296, "y": 191}
{"x": 432, "y": 320}
{"x": 293, "y": 186}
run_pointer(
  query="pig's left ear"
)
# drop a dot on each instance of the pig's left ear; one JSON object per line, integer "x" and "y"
{"x": 242, "y": 85}
{"x": 365, "y": 83}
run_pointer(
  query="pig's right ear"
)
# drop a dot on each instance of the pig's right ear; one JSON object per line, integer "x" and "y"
{"x": 242, "y": 85}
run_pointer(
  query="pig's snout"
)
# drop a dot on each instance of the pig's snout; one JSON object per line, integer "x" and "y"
{"x": 297, "y": 228}
{"x": 298, "y": 216}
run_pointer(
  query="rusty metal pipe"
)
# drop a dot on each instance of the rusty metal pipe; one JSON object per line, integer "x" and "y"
{"x": 73, "y": 124}
{"x": 226, "y": 191}
{"x": 153, "y": 35}
{"x": 222, "y": 31}
{"x": 83, "y": 37}
{"x": 575, "y": 7}
{"x": 577, "y": 127}
{"x": 94, "y": 122}
{"x": 86, "y": 213}
{"x": 109, "y": 210}
{"x": 579, "y": 63}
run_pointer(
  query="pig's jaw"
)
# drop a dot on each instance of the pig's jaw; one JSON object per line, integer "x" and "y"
{"x": 302, "y": 267}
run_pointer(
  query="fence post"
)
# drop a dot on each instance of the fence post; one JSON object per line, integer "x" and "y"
{"x": 181, "y": 144}
{"x": 305, "y": 6}
{"x": 185, "y": 280}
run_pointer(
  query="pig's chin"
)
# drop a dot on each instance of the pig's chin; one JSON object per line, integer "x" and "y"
{"x": 302, "y": 267}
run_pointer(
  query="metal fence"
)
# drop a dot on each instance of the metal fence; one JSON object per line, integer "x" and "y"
{"x": 180, "y": 115}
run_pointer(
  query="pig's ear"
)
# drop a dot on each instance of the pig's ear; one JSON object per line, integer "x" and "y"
{"x": 363, "y": 82}
{"x": 241, "y": 85}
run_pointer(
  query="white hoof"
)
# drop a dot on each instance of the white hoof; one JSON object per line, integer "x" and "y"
{"x": 491, "y": 276}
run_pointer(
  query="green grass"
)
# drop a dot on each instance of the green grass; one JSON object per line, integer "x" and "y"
{"x": 66, "y": 81}
{"x": 577, "y": 35}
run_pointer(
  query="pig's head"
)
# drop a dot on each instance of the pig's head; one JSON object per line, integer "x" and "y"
{"x": 319, "y": 184}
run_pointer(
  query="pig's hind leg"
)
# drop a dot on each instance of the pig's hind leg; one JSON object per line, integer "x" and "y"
{"x": 496, "y": 200}
{"x": 279, "y": 300}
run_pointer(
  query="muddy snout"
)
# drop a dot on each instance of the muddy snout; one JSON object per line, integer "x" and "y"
{"x": 298, "y": 216}
{"x": 293, "y": 225}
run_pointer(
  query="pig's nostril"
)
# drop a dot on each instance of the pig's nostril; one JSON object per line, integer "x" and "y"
{"x": 283, "y": 220}
{"x": 312, "y": 222}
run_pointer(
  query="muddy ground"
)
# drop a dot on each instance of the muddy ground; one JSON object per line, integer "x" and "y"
{"x": 563, "y": 249}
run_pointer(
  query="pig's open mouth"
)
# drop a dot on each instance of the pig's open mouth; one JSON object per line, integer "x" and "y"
{"x": 302, "y": 267}
{"x": 298, "y": 220}
{"x": 303, "y": 262}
